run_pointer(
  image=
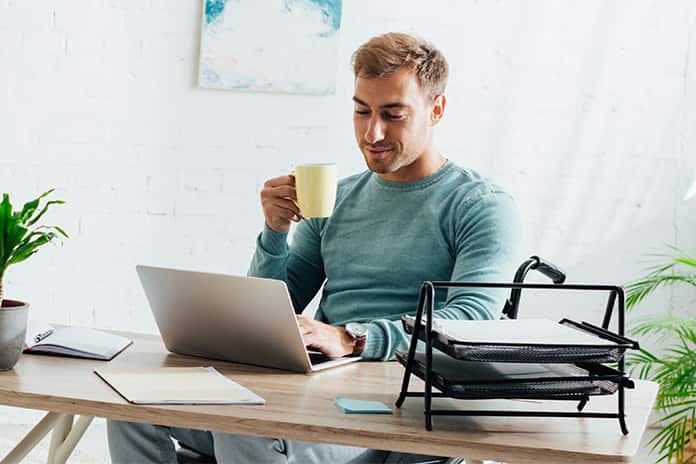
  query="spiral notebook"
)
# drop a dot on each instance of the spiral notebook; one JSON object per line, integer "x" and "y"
{"x": 78, "y": 342}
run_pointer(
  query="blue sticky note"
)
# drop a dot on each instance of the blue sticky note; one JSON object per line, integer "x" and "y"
{"x": 361, "y": 407}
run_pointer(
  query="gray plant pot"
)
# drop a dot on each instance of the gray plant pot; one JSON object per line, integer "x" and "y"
{"x": 13, "y": 328}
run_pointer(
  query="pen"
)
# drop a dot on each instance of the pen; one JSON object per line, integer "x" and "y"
{"x": 43, "y": 335}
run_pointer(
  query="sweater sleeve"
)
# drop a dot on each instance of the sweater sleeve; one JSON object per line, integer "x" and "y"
{"x": 486, "y": 239}
{"x": 299, "y": 264}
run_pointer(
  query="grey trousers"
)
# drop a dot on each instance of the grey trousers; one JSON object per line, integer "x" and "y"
{"x": 131, "y": 442}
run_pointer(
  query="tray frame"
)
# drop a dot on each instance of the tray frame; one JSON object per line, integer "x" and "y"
{"x": 426, "y": 304}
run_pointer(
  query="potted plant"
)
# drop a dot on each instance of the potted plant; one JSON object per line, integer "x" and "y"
{"x": 20, "y": 237}
{"x": 675, "y": 369}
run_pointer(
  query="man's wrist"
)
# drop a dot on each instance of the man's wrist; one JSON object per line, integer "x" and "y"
{"x": 275, "y": 243}
{"x": 347, "y": 342}
{"x": 358, "y": 334}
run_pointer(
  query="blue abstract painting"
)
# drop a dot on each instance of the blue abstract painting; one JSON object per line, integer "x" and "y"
{"x": 285, "y": 46}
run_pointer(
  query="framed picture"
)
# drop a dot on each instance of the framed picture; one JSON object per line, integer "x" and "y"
{"x": 287, "y": 46}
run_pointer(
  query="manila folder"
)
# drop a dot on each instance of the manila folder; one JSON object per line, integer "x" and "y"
{"x": 177, "y": 385}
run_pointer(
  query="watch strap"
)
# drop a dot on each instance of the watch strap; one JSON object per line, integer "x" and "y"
{"x": 359, "y": 346}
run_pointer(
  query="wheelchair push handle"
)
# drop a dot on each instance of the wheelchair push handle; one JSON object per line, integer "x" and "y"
{"x": 549, "y": 270}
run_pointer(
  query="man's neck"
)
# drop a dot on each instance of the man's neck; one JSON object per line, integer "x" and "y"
{"x": 424, "y": 166}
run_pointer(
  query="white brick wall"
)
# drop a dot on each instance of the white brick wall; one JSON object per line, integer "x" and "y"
{"x": 585, "y": 111}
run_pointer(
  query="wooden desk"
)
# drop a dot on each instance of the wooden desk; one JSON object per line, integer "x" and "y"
{"x": 301, "y": 407}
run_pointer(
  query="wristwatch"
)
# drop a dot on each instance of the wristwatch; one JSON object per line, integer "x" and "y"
{"x": 358, "y": 332}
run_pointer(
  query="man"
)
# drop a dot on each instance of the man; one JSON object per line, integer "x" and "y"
{"x": 412, "y": 216}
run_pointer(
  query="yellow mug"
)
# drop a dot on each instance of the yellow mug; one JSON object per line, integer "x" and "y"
{"x": 316, "y": 189}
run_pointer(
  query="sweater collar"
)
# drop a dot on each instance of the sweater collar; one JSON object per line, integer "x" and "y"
{"x": 416, "y": 184}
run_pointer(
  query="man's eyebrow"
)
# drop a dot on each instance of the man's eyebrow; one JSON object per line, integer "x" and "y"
{"x": 387, "y": 105}
{"x": 395, "y": 105}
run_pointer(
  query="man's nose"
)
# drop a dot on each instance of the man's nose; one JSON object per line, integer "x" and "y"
{"x": 375, "y": 131}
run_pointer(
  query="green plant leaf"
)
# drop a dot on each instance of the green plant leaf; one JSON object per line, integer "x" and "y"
{"x": 43, "y": 211}
{"x": 17, "y": 231}
{"x": 53, "y": 228}
{"x": 30, "y": 206}
{"x": 672, "y": 438}
{"x": 20, "y": 237}
{"x": 662, "y": 326}
{"x": 30, "y": 248}
{"x": 61, "y": 231}
{"x": 675, "y": 369}
{"x": 686, "y": 261}
{"x": 643, "y": 359}
{"x": 659, "y": 275}
{"x": 638, "y": 291}
{"x": 5, "y": 217}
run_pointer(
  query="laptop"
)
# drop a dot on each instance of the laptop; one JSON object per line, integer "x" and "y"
{"x": 246, "y": 320}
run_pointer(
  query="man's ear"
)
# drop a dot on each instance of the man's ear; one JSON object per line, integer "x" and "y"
{"x": 438, "y": 110}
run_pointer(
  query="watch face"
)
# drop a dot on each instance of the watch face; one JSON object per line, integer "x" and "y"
{"x": 356, "y": 330}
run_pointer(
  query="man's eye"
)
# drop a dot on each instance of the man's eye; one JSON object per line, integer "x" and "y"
{"x": 363, "y": 112}
{"x": 395, "y": 117}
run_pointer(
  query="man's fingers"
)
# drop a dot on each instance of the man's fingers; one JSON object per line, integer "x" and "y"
{"x": 284, "y": 191}
{"x": 278, "y": 181}
{"x": 276, "y": 201}
{"x": 282, "y": 203}
{"x": 301, "y": 320}
{"x": 269, "y": 194}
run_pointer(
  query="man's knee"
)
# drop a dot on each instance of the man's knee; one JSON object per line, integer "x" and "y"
{"x": 143, "y": 443}
{"x": 241, "y": 448}
{"x": 124, "y": 430}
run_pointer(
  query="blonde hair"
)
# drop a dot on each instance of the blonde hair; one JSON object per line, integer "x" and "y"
{"x": 383, "y": 55}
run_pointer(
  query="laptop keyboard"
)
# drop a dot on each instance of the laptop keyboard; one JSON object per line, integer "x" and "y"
{"x": 316, "y": 357}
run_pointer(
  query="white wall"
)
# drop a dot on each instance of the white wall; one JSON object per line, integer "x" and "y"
{"x": 585, "y": 111}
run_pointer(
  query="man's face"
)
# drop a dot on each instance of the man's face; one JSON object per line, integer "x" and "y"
{"x": 393, "y": 122}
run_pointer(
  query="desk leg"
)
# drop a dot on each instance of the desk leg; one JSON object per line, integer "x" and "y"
{"x": 63, "y": 441}
{"x": 28, "y": 443}
{"x": 65, "y": 437}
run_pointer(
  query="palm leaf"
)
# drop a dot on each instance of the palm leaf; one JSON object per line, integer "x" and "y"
{"x": 638, "y": 291}
{"x": 662, "y": 274}
{"x": 689, "y": 405}
{"x": 661, "y": 326}
{"x": 674, "y": 436}
{"x": 675, "y": 370}
{"x": 686, "y": 261}
{"x": 645, "y": 360}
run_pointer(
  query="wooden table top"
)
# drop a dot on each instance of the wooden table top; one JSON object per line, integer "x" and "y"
{"x": 301, "y": 407}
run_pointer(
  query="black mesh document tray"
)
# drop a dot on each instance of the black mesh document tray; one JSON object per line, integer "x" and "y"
{"x": 612, "y": 351}
{"x": 565, "y": 358}
{"x": 483, "y": 380}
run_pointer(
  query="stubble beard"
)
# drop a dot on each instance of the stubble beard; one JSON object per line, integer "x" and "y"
{"x": 386, "y": 165}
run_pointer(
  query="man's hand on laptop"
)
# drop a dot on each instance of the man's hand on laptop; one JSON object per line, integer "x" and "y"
{"x": 333, "y": 341}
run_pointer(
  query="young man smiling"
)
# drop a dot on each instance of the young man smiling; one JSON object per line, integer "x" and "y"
{"x": 412, "y": 216}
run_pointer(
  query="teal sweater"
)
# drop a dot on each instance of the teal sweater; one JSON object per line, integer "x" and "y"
{"x": 384, "y": 239}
